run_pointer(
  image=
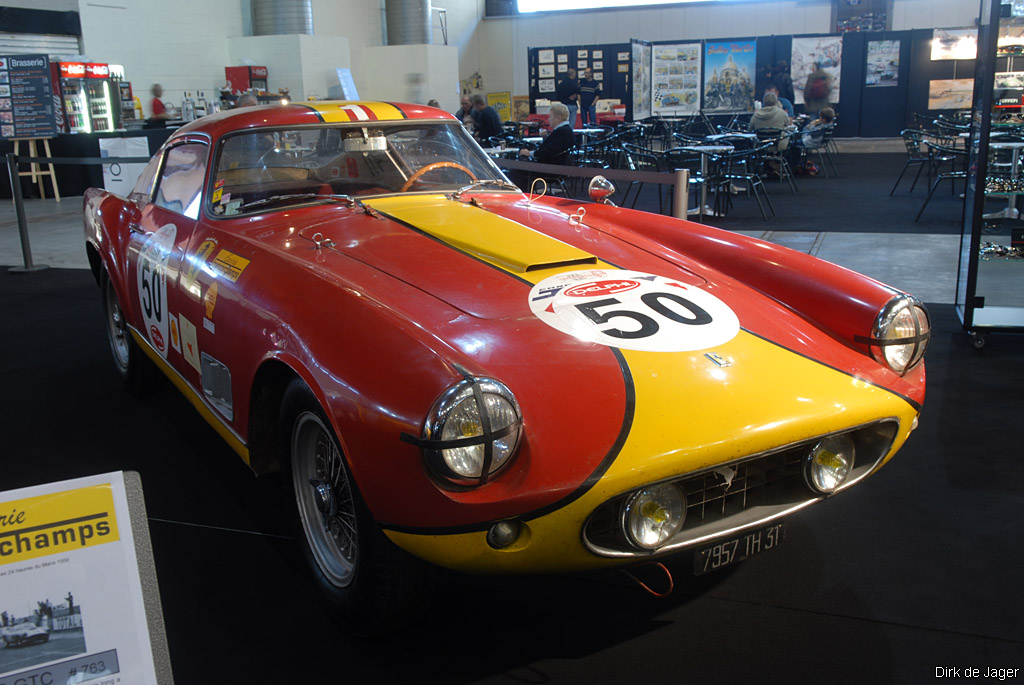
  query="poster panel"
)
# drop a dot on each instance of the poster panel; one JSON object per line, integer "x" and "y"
{"x": 502, "y": 102}
{"x": 825, "y": 52}
{"x": 953, "y": 93}
{"x": 954, "y": 44}
{"x": 729, "y": 76}
{"x": 883, "y": 63}
{"x": 27, "y": 108}
{"x": 675, "y": 80}
{"x": 641, "y": 79}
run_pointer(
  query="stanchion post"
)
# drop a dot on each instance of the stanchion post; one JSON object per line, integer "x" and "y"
{"x": 681, "y": 194}
{"x": 19, "y": 207}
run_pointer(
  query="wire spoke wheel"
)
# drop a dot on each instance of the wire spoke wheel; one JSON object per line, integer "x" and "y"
{"x": 323, "y": 492}
{"x": 117, "y": 330}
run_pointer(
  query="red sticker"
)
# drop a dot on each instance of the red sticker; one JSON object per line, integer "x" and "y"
{"x": 597, "y": 288}
{"x": 157, "y": 338}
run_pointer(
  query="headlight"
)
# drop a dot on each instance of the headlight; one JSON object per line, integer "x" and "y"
{"x": 472, "y": 431}
{"x": 901, "y": 334}
{"x": 653, "y": 515}
{"x": 829, "y": 463}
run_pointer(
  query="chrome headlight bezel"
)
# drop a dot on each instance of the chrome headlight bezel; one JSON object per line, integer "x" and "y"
{"x": 634, "y": 510}
{"x": 830, "y": 463}
{"x": 450, "y": 459}
{"x": 900, "y": 334}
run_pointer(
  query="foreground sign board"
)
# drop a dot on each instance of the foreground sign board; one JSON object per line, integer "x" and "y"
{"x": 28, "y": 106}
{"x": 71, "y": 600}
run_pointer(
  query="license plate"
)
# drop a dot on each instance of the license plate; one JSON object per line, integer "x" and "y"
{"x": 733, "y": 550}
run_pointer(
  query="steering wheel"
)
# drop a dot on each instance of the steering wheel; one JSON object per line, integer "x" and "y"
{"x": 436, "y": 165}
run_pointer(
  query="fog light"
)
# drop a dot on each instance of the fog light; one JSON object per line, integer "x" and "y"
{"x": 829, "y": 463}
{"x": 502, "y": 534}
{"x": 653, "y": 515}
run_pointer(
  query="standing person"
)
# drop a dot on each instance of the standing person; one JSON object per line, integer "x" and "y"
{"x": 568, "y": 93}
{"x": 783, "y": 81}
{"x": 488, "y": 123}
{"x": 465, "y": 112}
{"x": 160, "y": 112}
{"x": 590, "y": 92}
{"x": 817, "y": 89}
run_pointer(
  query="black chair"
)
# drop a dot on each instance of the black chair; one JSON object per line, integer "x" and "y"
{"x": 639, "y": 159}
{"x": 940, "y": 156}
{"x": 778, "y": 153}
{"x": 739, "y": 166}
{"x": 674, "y": 159}
{"x": 917, "y": 155}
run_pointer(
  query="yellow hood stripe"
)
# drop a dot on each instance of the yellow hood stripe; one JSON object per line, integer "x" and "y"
{"x": 344, "y": 112}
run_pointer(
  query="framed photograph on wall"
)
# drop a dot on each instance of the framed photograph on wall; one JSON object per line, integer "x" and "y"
{"x": 582, "y": 54}
{"x": 547, "y": 71}
{"x": 624, "y": 68}
{"x": 563, "y": 58}
{"x": 546, "y": 85}
{"x": 597, "y": 54}
{"x": 581, "y": 65}
{"x": 598, "y": 66}
{"x": 562, "y": 68}
{"x": 599, "y": 76}
{"x": 544, "y": 56}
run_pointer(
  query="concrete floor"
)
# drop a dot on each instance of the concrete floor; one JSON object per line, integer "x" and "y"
{"x": 55, "y": 236}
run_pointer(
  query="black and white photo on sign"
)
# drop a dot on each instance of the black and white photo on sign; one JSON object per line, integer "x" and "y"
{"x": 547, "y": 85}
{"x": 40, "y": 619}
{"x": 597, "y": 54}
{"x": 581, "y": 65}
{"x": 582, "y": 54}
{"x": 546, "y": 56}
{"x": 623, "y": 57}
{"x": 563, "y": 58}
{"x": 562, "y": 68}
{"x": 547, "y": 70}
{"x": 5, "y": 77}
{"x": 598, "y": 66}
{"x": 599, "y": 76}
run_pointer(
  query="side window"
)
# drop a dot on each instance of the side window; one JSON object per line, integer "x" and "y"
{"x": 181, "y": 182}
{"x": 143, "y": 190}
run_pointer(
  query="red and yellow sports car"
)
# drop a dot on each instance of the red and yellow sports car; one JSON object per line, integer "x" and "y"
{"x": 455, "y": 372}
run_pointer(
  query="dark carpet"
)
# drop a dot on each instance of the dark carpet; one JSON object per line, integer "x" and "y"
{"x": 855, "y": 201}
{"x": 915, "y": 569}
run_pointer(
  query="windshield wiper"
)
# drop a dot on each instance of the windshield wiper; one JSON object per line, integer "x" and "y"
{"x": 274, "y": 199}
{"x": 483, "y": 182}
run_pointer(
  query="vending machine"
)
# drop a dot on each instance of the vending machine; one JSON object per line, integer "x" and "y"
{"x": 243, "y": 79}
{"x": 104, "y": 97}
{"x": 76, "y": 101}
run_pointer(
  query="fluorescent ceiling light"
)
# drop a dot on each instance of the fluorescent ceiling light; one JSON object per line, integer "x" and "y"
{"x": 551, "y": 5}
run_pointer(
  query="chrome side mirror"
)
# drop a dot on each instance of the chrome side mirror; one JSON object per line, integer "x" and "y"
{"x": 600, "y": 190}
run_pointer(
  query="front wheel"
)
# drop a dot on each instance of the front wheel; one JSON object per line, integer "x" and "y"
{"x": 371, "y": 585}
{"x": 133, "y": 367}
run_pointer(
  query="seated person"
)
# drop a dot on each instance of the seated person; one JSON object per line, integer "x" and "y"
{"x": 770, "y": 115}
{"x": 555, "y": 147}
{"x": 784, "y": 103}
{"x": 814, "y": 133}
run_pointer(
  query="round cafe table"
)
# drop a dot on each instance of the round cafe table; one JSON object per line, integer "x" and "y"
{"x": 705, "y": 152}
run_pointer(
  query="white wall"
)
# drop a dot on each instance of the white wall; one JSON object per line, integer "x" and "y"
{"x": 412, "y": 73}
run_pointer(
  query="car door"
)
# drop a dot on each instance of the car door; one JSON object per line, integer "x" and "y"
{"x": 167, "y": 220}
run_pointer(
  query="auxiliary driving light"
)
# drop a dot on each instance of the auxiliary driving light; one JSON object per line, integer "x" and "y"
{"x": 653, "y": 515}
{"x": 503, "y": 533}
{"x": 829, "y": 463}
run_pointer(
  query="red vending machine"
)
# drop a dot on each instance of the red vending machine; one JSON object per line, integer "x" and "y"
{"x": 243, "y": 79}
{"x": 76, "y": 101}
{"x": 104, "y": 97}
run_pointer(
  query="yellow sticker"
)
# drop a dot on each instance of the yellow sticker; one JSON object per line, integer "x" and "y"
{"x": 229, "y": 265}
{"x": 196, "y": 261}
{"x": 211, "y": 299}
{"x": 216, "y": 195}
{"x": 56, "y": 523}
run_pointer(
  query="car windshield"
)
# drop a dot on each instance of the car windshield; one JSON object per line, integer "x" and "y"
{"x": 263, "y": 169}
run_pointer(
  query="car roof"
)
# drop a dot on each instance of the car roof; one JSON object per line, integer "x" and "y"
{"x": 309, "y": 113}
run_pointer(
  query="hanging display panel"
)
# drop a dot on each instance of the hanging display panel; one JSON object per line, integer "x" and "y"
{"x": 815, "y": 68}
{"x": 954, "y": 44}
{"x": 952, "y": 93}
{"x": 675, "y": 80}
{"x": 729, "y": 76}
{"x": 883, "y": 63}
{"x": 641, "y": 80}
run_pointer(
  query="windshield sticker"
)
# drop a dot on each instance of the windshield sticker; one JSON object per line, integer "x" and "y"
{"x": 634, "y": 311}
{"x": 216, "y": 195}
{"x": 151, "y": 284}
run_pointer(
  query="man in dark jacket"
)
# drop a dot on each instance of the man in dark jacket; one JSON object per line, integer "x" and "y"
{"x": 555, "y": 148}
{"x": 488, "y": 123}
{"x": 568, "y": 93}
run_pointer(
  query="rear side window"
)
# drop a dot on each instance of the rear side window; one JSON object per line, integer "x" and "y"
{"x": 181, "y": 180}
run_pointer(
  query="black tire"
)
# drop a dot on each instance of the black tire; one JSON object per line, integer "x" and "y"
{"x": 370, "y": 585}
{"x": 133, "y": 367}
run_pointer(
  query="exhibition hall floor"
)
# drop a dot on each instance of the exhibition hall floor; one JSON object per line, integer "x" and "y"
{"x": 916, "y": 569}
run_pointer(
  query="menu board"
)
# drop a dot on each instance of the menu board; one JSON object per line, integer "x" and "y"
{"x": 26, "y": 97}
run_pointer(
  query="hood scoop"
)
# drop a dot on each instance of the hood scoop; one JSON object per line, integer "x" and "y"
{"x": 491, "y": 238}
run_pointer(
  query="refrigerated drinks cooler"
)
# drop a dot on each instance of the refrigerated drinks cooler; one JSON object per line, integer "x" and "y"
{"x": 243, "y": 79}
{"x": 91, "y": 98}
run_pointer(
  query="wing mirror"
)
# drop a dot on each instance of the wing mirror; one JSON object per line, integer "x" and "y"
{"x": 601, "y": 190}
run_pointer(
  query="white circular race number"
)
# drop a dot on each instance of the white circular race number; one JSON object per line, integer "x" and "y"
{"x": 633, "y": 311}
{"x": 151, "y": 281}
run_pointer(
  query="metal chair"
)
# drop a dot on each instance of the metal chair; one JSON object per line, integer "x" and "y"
{"x": 778, "y": 153}
{"x": 917, "y": 155}
{"x": 939, "y": 156}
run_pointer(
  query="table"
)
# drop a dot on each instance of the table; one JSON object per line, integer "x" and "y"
{"x": 584, "y": 132}
{"x": 705, "y": 151}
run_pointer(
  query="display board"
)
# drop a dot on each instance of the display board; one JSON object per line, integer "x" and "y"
{"x": 641, "y": 78}
{"x": 27, "y": 97}
{"x": 676, "y": 79}
{"x": 549, "y": 65}
{"x": 883, "y": 65}
{"x": 954, "y": 44}
{"x": 811, "y": 56}
{"x": 729, "y": 69}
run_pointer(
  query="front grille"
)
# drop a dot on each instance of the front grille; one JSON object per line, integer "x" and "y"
{"x": 739, "y": 494}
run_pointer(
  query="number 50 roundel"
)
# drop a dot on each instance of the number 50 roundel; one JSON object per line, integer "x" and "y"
{"x": 634, "y": 311}
{"x": 152, "y": 285}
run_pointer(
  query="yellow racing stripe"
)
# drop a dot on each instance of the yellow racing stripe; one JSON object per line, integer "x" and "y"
{"x": 344, "y": 112}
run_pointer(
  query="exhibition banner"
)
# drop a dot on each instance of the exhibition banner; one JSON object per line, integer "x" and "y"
{"x": 675, "y": 84}
{"x": 729, "y": 76}
{"x": 641, "y": 79}
{"x": 812, "y": 56}
{"x": 71, "y": 604}
{"x": 883, "y": 63}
